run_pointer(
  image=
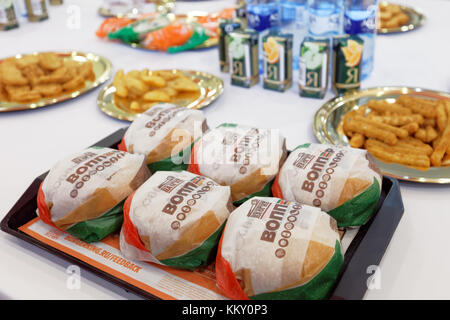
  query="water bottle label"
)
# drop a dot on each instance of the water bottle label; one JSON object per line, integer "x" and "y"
{"x": 262, "y": 22}
{"x": 368, "y": 25}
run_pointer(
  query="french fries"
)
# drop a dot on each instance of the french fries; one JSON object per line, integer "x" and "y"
{"x": 32, "y": 77}
{"x": 139, "y": 90}
{"x": 411, "y": 131}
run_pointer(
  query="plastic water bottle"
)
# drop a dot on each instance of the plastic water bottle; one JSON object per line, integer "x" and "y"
{"x": 262, "y": 16}
{"x": 360, "y": 18}
{"x": 325, "y": 17}
{"x": 294, "y": 20}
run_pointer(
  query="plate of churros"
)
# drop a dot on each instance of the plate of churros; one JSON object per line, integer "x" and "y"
{"x": 407, "y": 130}
{"x": 134, "y": 92}
{"x": 29, "y": 81}
{"x": 393, "y": 18}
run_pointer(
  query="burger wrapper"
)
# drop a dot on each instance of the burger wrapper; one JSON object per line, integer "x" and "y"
{"x": 175, "y": 219}
{"x": 340, "y": 180}
{"x": 165, "y": 135}
{"x": 245, "y": 158}
{"x": 277, "y": 249}
{"x": 84, "y": 193}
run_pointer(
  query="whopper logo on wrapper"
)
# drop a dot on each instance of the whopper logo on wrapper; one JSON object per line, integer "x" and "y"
{"x": 277, "y": 249}
{"x": 340, "y": 180}
{"x": 176, "y": 219}
{"x": 242, "y": 157}
{"x": 84, "y": 193}
{"x": 165, "y": 134}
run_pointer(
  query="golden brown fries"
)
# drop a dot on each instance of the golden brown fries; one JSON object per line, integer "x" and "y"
{"x": 36, "y": 76}
{"x": 140, "y": 90}
{"x": 411, "y": 131}
{"x": 391, "y": 16}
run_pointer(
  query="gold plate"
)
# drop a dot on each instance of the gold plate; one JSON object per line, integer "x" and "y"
{"x": 416, "y": 19}
{"x": 327, "y": 128}
{"x": 102, "y": 68}
{"x": 211, "y": 87}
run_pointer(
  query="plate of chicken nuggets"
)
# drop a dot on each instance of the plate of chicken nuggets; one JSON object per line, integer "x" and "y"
{"x": 132, "y": 93}
{"x": 29, "y": 81}
{"x": 394, "y": 18}
{"x": 407, "y": 130}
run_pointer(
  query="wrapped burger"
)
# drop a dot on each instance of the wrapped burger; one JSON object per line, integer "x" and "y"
{"x": 83, "y": 194}
{"x": 277, "y": 249}
{"x": 164, "y": 134}
{"x": 245, "y": 158}
{"x": 342, "y": 181}
{"x": 175, "y": 219}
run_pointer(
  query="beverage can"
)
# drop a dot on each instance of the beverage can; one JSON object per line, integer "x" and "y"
{"x": 8, "y": 18}
{"x": 277, "y": 61}
{"x": 243, "y": 57}
{"x": 313, "y": 67}
{"x": 37, "y": 10}
{"x": 347, "y": 62}
{"x": 224, "y": 29}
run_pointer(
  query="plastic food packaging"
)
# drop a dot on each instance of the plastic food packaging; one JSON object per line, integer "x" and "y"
{"x": 342, "y": 181}
{"x": 164, "y": 134}
{"x": 175, "y": 219}
{"x": 83, "y": 194}
{"x": 277, "y": 249}
{"x": 245, "y": 158}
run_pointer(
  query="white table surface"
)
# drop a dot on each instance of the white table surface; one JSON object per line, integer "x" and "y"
{"x": 416, "y": 263}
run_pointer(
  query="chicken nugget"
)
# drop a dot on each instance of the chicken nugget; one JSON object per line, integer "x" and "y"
{"x": 27, "y": 60}
{"x": 11, "y": 75}
{"x": 22, "y": 94}
{"x": 49, "y": 89}
{"x": 156, "y": 96}
{"x": 59, "y": 75}
{"x": 73, "y": 84}
{"x": 50, "y": 61}
{"x": 32, "y": 72}
{"x": 85, "y": 70}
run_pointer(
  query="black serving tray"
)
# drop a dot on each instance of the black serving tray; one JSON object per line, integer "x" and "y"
{"x": 366, "y": 249}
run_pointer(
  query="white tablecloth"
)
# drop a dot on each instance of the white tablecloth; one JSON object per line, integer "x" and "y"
{"x": 415, "y": 265}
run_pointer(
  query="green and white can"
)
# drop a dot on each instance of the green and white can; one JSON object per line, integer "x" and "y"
{"x": 313, "y": 67}
{"x": 277, "y": 61}
{"x": 225, "y": 28}
{"x": 347, "y": 63}
{"x": 243, "y": 56}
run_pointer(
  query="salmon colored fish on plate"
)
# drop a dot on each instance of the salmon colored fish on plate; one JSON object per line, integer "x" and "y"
{"x": 174, "y": 34}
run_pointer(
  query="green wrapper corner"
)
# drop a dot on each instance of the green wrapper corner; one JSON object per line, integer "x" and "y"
{"x": 318, "y": 288}
{"x": 200, "y": 256}
{"x": 358, "y": 210}
{"x": 168, "y": 165}
{"x": 305, "y": 145}
{"x": 96, "y": 229}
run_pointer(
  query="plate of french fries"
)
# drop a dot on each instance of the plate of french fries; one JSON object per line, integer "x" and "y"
{"x": 29, "y": 81}
{"x": 134, "y": 92}
{"x": 393, "y": 18}
{"x": 407, "y": 130}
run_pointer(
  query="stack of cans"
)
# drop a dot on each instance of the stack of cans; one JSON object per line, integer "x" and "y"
{"x": 319, "y": 61}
